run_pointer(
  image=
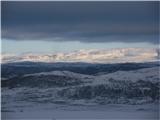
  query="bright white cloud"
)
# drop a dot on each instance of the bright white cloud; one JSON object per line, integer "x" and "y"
{"x": 120, "y": 55}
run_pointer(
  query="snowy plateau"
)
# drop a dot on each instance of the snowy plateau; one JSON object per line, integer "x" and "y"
{"x": 38, "y": 90}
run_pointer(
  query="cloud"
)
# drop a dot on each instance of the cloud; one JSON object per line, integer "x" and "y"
{"x": 81, "y": 21}
{"x": 121, "y": 55}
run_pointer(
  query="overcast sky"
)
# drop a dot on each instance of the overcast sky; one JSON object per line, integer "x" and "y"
{"x": 85, "y": 24}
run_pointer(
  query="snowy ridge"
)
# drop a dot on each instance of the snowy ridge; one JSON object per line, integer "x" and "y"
{"x": 146, "y": 74}
{"x": 63, "y": 87}
{"x": 120, "y": 55}
{"x": 60, "y": 73}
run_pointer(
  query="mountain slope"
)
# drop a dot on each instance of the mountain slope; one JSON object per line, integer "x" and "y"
{"x": 10, "y": 70}
{"x": 123, "y": 87}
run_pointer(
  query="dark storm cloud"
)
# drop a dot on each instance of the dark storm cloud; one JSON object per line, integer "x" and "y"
{"x": 81, "y": 21}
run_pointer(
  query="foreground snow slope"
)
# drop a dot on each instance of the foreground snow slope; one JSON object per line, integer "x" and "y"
{"x": 98, "y": 112}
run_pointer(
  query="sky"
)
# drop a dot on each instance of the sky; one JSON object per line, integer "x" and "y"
{"x": 54, "y": 26}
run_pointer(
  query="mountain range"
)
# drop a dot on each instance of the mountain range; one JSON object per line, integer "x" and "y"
{"x": 116, "y": 83}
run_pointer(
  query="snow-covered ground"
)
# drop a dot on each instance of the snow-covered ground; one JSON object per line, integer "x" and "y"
{"x": 33, "y": 110}
{"x": 101, "y": 96}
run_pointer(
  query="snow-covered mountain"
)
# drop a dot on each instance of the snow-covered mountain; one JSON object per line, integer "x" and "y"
{"x": 46, "y": 80}
{"x": 117, "y": 87}
{"x": 47, "y": 87}
{"x": 146, "y": 74}
{"x": 120, "y": 55}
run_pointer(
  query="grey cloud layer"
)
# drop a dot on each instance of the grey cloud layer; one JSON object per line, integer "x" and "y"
{"x": 82, "y": 21}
